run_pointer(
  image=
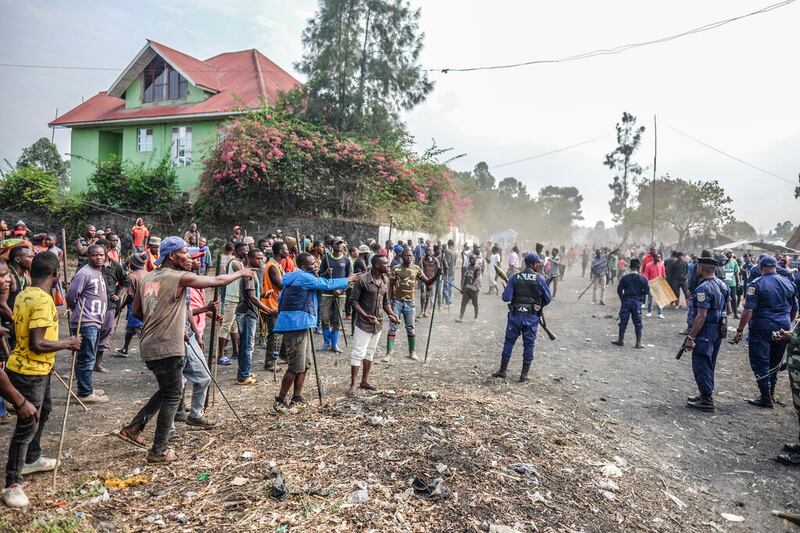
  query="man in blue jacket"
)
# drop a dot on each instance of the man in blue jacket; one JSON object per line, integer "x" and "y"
{"x": 297, "y": 313}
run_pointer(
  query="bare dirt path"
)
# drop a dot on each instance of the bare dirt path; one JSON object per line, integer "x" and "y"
{"x": 592, "y": 411}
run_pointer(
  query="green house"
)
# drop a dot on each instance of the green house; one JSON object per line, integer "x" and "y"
{"x": 167, "y": 102}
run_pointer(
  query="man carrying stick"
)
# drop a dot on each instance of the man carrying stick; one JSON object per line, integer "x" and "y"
{"x": 28, "y": 369}
{"x": 370, "y": 299}
{"x": 297, "y": 313}
{"x": 160, "y": 302}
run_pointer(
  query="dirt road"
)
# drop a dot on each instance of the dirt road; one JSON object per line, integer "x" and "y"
{"x": 592, "y": 411}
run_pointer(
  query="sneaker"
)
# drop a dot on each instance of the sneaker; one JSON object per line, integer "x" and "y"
{"x": 660, "y": 316}
{"x": 100, "y": 392}
{"x": 42, "y": 464}
{"x": 249, "y": 380}
{"x": 298, "y": 403}
{"x": 413, "y": 356}
{"x": 224, "y": 360}
{"x": 15, "y": 497}
{"x": 279, "y": 406}
{"x": 200, "y": 422}
{"x": 181, "y": 416}
{"x": 336, "y": 350}
{"x": 387, "y": 359}
{"x": 649, "y": 315}
{"x": 94, "y": 398}
{"x": 121, "y": 352}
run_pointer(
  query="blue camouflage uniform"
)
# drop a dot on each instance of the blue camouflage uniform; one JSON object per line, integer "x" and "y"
{"x": 712, "y": 294}
{"x": 771, "y": 298}
{"x": 527, "y": 292}
{"x": 632, "y": 290}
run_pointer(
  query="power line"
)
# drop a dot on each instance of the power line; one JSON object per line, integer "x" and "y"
{"x": 726, "y": 154}
{"x": 543, "y": 154}
{"x": 618, "y": 49}
{"x": 586, "y": 55}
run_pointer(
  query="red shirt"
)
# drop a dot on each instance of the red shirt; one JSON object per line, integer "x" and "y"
{"x": 646, "y": 260}
{"x": 139, "y": 235}
{"x": 654, "y": 270}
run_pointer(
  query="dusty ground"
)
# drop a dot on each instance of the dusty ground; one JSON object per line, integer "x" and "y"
{"x": 592, "y": 411}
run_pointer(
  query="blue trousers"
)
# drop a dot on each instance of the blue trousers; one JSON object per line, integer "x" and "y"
{"x": 84, "y": 364}
{"x": 447, "y": 289}
{"x": 248, "y": 325}
{"x": 765, "y": 356}
{"x": 525, "y": 324}
{"x": 704, "y": 358}
{"x": 632, "y": 309}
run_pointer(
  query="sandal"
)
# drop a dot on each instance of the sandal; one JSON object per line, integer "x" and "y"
{"x": 124, "y": 435}
{"x": 167, "y": 457}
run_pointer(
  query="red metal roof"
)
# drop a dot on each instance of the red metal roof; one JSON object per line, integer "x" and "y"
{"x": 239, "y": 79}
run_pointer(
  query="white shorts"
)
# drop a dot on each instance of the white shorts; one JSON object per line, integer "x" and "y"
{"x": 364, "y": 345}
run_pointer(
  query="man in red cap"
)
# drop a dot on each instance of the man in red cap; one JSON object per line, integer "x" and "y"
{"x": 237, "y": 235}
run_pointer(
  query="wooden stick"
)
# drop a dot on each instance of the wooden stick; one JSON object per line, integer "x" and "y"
{"x": 69, "y": 397}
{"x": 314, "y": 360}
{"x": 212, "y": 360}
{"x": 64, "y": 255}
{"x": 77, "y": 398}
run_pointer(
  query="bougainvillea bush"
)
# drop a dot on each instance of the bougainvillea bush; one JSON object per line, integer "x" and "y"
{"x": 265, "y": 163}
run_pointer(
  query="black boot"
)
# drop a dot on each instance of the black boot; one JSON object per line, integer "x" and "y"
{"x": 98, "y": 363}
{"x": 789, "y": 459}
{"x": 524, "y": 375}
{"x": 703, "y": 403}
{"x": 765, "y": 400}
{"x": 619, "y": 342}
{"x": 502, "y": 372}
{"x": 639, "y": 345}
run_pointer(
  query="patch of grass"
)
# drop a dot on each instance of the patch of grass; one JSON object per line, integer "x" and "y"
{"x": 69, "y": 524}
{"x": 73, "y": 491}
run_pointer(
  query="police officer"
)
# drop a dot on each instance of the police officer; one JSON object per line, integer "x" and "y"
{"x": 527, "y": 293}
{"x": 711, "y": 302}
{"x": 632, "y": 290}
{"x": 769, "y": 306}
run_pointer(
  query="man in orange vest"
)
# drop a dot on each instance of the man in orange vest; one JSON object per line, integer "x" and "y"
{"x": 271, "y": 284}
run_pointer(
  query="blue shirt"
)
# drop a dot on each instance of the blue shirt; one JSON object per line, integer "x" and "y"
{"x": 713, "y": 295}
{"x": 771, "y": 298}
{"x": 544, "y": 289}
{"x": 633, "y": 286}
{"x": 297, "y": 303}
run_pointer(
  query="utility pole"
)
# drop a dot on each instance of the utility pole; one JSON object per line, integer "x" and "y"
{"x": 655, "y": 160}
{"x": 53, "y": 129}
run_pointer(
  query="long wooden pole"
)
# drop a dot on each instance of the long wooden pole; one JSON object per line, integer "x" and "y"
{"x": 655, "y": 160}
{"x": 69, "y": 397}
{"x": 64, "y": 254}
{"x": 212, "y": 360}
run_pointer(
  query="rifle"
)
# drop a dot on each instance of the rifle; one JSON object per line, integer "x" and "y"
{"x": 542, "y": 322}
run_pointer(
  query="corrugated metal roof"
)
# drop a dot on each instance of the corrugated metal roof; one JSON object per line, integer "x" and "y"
{"x": 239, "y": 80}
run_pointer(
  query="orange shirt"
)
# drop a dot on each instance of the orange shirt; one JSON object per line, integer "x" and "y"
{"x": 287, "y": 264}
{"x": 139, "y": 235}
{"x": 266, "y": 283}
{"x": 150, "y": 260}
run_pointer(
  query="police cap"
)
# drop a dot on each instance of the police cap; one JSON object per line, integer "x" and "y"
{"x": 532, "y": 259}
{"x": 708, "y": 261}
{"x": 768, "y": 262}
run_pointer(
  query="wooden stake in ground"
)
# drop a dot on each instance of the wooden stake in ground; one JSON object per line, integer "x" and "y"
{"x": 314, "y": 360}
{"x": 69, "y": 397}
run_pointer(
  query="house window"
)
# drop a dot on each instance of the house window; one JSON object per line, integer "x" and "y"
{"x": 162, "y": 82}
{"x": 145, "y": 140}
{"x": 182, "y": 146}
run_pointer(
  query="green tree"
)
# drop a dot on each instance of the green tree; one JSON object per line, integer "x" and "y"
{"x": 136, "y": 187}
{"x": 361, "y": 59}
{"x": 684, "y": 206}
{"x": 44, "y": 155}
{"x": 29, "y": 188}
{"x": 512, "y": 188}
{"x": 561, "y": 207}
{"x": 620, "y": 160}
{"x": 739, "y": 230}
{"x": 483, "y": 177}
{"x": 783, "y": 230}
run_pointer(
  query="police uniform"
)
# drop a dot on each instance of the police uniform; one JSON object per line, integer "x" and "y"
{"x": 527, "y": 293}
{"x": 632, "y": 290}
{"x": 771, "y": 298}
{"x": 711, "y": 294}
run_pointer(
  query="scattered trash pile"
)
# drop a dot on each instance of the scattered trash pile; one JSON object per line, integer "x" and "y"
{"x": 395, "y": 460}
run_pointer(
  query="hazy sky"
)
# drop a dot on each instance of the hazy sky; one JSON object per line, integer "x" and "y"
{"x": 735, "y": 87}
